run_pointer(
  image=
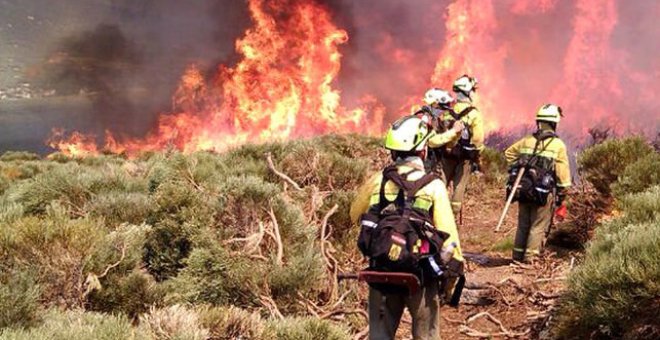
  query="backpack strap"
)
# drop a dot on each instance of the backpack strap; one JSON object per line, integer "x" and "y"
{"x": 407, "y": 189}
{"x": 458, "y": 116}
{"x": 540, "y": 137}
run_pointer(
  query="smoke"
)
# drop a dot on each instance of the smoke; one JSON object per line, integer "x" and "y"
{"x": 127, "y": 56}
{"x": 597, "y": 59}
{"x": 97, "y": 62}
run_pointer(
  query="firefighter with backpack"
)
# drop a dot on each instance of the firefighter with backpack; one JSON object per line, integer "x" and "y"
{"x": 438, "y": 102}
{"x": 407, "y": 226}
{"x": 461, "y": 154}
{"x": 539, "y": 163}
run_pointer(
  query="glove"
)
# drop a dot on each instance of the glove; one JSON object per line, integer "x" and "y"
{"x": 458, "y": 126}
{"x": 560, "y": 213}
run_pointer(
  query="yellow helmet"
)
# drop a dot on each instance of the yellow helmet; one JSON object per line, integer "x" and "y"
{"x": 409, "y": 133}
{"x": 465, "y": 84}
{"x": 549, "y": 113}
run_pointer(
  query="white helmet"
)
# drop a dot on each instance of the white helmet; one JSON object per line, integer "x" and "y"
{"x": 439, "y": 97}
{"x": 465, "y": 84}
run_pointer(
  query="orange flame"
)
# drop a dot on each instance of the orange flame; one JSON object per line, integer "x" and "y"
{"x": 281, "y": 88}
{"x": 284, "y": 85}
{"x": 470, "y": 48}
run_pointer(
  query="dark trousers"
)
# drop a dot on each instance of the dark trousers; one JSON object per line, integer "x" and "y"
{"x": 385, "y": 312}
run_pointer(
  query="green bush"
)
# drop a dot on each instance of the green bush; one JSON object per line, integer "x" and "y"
{"x": 121, "y": 207}
{"x": 300, "y": 275}
{"x": 638, "y": 176}
{"x": 60, "y": 250}
{"x": 308, "y": 329}
{"x": 19, "y": 299}
{"x": 131, "y": 294}
{"x": 216, "y": 276}
{"x": 602, "y": 164}
{"x": 614, "y": 293}
{"x": 173, "y": 322}
{"x": 641, "y": 207}
{"x": 617, "y": 286}
{"x": 131, "y": 237}
{"x": 78, "y": 325}
{"x": 227, "y": 323}
{"x": 18, "y": 156}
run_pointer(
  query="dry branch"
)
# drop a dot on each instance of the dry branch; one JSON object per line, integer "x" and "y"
{"x": 330, "y": 261}
{"x": 271, "y": 166}
{"x": 278, "y": 238}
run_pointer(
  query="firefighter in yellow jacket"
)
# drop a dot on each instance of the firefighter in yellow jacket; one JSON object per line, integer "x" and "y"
{"x": 461, "y": 156}
{"x": 543, "y": 155}
{"x": 407, "y": 139}
{"x": 438, "y": 102}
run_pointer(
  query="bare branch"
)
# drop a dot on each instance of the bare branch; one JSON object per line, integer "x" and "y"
{"x": 278, "y": 238}
{"x": 271, "y": 166}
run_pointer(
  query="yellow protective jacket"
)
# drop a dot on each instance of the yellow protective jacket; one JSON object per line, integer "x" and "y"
{"x": 432, "y": 197}
{"x": 553, "y": 149}
{"x": 473, "y": 122}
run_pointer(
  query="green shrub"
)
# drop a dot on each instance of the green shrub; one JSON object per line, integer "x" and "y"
{"x": 617, "y": 286}
{"x": 216, "y": 276}
{"x": 182, "y": 212}
{"x": 494, "y": 165}
{"x": 227, "y": 323}
{"x": 4, "y": 184}
{"x": 60, "y": 250}
{"x": 78, "y": 325}
{"x": 19, "y": 299}
{"x": 638, "y": 176}
{"x": 344, "y": 233}
{"x": 120, "y": 207}
{"x": 308, "y": 165}
{"x": 308, "y": 329}
{"x": 72, "y": 185}
{"x": 18, "y": 156}
{"x": 641, "y": 207}
{"x": 300, "y": 275}
{"x": 67, "y": 253}
{"x": 131, "y": 294}
{"x": 602, "y": 164}
{"x": 173, "y": 322}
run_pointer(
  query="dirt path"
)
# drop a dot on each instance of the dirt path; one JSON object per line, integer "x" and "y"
{"x": 516, "y": 298}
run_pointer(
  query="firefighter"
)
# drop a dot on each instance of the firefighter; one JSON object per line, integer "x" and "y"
{"x": 438, "y": 101}
{"x": 407, "y": 139}
{"x": 461, "y": 155}
{"x": 543, "y": 185}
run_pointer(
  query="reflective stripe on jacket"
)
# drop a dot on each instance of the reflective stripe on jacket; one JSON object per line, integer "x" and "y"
{"x": 432, "y": 197}
{"x": 551, "y": 148}
{"x": 473, "y": 121}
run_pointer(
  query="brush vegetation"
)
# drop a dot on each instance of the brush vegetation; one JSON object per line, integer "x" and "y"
{"x": 218, "y": 246}
{"x": 615, "y": 292}
{"x": 172, "y": 242}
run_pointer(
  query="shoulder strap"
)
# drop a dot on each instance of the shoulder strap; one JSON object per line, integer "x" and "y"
{"x": 540, "y": 136}
{"x": 463, "y": 113}
{"x": 407, "y": 188}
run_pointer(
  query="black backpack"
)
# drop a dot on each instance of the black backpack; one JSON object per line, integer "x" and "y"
{"x": 464, "y": 148}
{"x": 538, "y": 181}
{"x": 393, "y": 231}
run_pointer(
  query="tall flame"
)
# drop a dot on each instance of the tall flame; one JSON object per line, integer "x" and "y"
{"x": 524, "y": 52}
{"x": 470, "y": 48}
{"x": 281, "y": 88}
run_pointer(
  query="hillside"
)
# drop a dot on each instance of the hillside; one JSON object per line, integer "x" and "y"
{"x": 218, "y": 246}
